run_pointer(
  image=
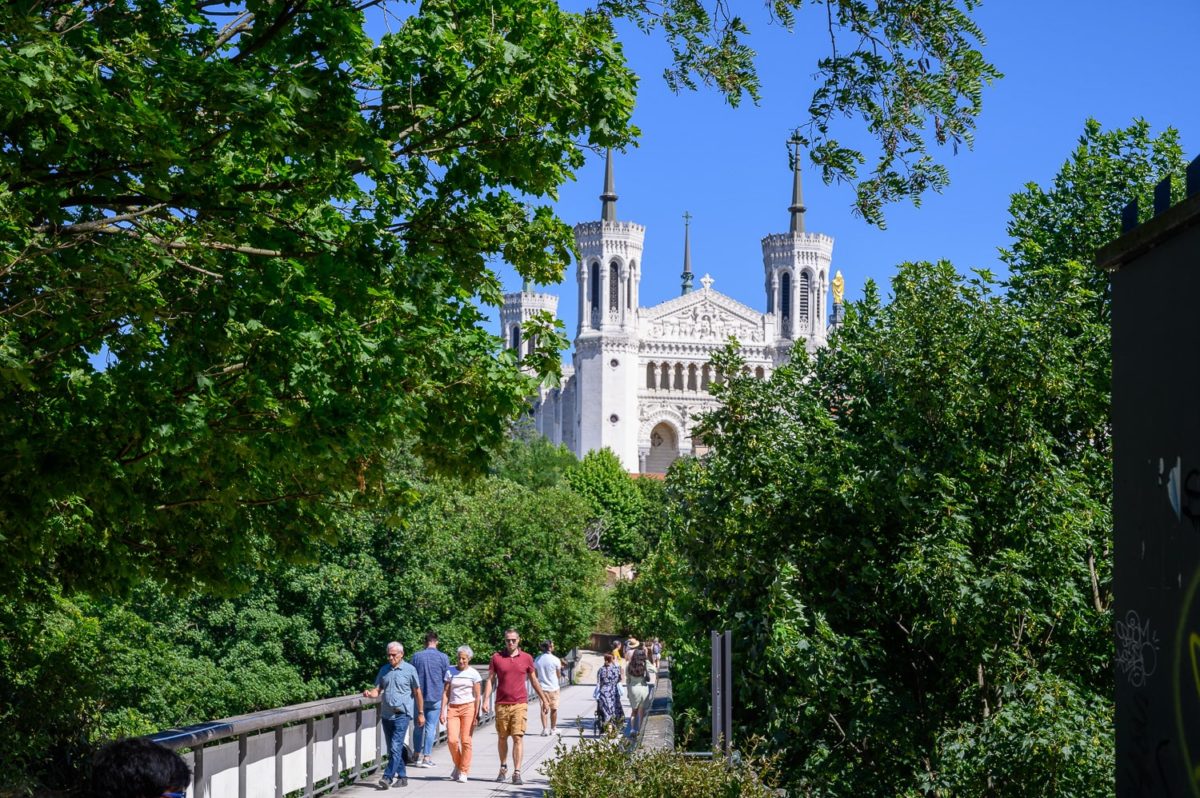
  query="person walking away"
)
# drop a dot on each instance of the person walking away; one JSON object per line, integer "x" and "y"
{"x": 431, "y": 666}
{"x": 510, "y": 670}
{"x": 400, "y": 689}
{"x": 608, "y": 695}
{"x": 549, "y": 670}
{"x": 637, "y": 674}
{"x": 655, "y": 652}
{"x": 460, "y": 708}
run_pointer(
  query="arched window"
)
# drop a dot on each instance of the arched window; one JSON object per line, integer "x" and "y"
{"x": 805, "y": 288}
{"x": 679, "y": 376}
{"x": 692, "y": 377}
{"x": 705, "y": 377}
{"x": 515, "y": 342}
{"x": 759, "y": 373}
{"x": 664, "y": 380}
{"x": 629, "y": 288}
{"x": 594, "y": 288}
{"x": 614, "y": 286}
{"x": 785, "y": 295}
{"x": 650, "y": 369}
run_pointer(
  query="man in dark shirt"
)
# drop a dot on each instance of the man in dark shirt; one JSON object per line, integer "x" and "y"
{"x": 510, "y": 670}
{"x": 431, "y": 666}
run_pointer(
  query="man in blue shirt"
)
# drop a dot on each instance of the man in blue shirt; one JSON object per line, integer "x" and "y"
{"x": 401, "y": 690}
{"x": 431, "y": 666}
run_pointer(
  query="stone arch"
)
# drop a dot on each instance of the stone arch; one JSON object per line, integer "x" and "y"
{"x": 759, "y": 373}
{"x": 651, "y": 373}
{"x": 658, "y": 453}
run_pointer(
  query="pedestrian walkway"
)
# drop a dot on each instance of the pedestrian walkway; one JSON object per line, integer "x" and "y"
{"x": 576, "y": 718}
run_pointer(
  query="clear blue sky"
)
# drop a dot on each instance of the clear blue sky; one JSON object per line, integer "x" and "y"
{"x": 1063, "y": 60}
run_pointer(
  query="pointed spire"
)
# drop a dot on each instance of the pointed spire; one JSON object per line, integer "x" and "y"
{"x": 687, "y": 254}
{"x": 526, "y": 286}
{"x": 608, "y": 200}
{"x": 797, "y": 208}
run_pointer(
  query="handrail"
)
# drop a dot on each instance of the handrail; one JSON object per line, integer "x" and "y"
{"x": 252, "y": 730}
{"x": 658, "y": 726}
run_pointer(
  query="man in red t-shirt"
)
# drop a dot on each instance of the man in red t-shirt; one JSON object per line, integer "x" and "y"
{"x": 509, "y": 670}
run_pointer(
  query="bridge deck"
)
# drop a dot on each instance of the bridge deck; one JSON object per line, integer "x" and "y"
{"x": 576, "y": 717}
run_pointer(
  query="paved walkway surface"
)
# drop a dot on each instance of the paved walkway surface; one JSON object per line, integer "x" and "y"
{"x": 576, "y": 718}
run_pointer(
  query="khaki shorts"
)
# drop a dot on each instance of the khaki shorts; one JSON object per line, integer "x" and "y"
{"x": 510, "y": 719}
{"x": 551, "y": 701}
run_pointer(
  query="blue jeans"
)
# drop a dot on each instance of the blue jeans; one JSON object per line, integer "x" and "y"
{"x": 425, "y": 736}
{"x": 395, "y": 729}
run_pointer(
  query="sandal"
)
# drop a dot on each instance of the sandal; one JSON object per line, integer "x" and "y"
{"x": 503, "y": 773}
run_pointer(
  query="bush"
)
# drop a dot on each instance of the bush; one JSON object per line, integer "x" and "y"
{"x": 604, "y": 767}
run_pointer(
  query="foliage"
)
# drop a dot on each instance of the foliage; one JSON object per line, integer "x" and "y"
{"x": 911, "y": 535}
{"x": 615, "y": 504}
{"x": 243, "y": 251}
{"x": 470, "y": 560}
{"x": 604, "y": 766}
{"x": 530, "y": 459}
{"x": 913, "y": 75}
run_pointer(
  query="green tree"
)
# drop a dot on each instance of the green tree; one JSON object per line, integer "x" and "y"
{"x": 911, "y": 535}
{"x": 272, "y": 234}
{"x": 911, "y": 72}
{"x": 615, "y": 505}
{"x": 530, "y": 459}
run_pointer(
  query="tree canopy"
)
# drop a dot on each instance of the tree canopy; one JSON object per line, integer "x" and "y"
{"x": 244, "y": 251}
{"x": 910, "y": 534}
{"x": 912, "y": 73}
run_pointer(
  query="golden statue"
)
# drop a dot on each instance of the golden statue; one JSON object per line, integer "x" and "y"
{"x": 839, "y": 287}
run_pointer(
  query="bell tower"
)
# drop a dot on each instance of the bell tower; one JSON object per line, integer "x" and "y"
{"x": 796, "y": 267}
{"x": 606, "y": 343}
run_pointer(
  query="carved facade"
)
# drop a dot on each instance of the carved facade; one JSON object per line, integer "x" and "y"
{"x": 640, "y": 377}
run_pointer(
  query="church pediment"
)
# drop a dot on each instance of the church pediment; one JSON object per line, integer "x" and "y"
{"x": 704, "y": 315}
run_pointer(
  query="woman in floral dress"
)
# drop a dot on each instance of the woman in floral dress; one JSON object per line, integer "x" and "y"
{"x": 608, "y": 695}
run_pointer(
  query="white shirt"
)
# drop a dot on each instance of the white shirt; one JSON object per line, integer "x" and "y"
{"x": 547, "y": 667}
{"x": 462, "y": 684}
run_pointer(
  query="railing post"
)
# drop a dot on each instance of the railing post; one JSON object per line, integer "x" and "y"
{"x": 243, "y": 753}
{"x": 278, "y": 762}
{"x": 308, "y": 756}
{"x": 335, "y": 775}
{"x": 198, "y": 771}
{"x": 358, "y": 744}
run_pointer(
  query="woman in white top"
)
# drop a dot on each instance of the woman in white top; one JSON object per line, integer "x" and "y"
{"x": 460, "y": 708}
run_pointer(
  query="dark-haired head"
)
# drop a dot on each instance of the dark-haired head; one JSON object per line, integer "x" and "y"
{"x": 137, "y": 768}
{"x": 608, "y": 658}
{"x": 431, "y": 637}
{"x": 546, "y": 645}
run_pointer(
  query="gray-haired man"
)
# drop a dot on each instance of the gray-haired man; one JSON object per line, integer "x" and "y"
{"x": 401, "y": 690}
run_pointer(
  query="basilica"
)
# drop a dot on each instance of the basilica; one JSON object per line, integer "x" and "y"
{"x": 640, "y": 376}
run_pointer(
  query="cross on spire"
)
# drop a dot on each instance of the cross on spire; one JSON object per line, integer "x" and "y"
{"x": 687, "y": 254}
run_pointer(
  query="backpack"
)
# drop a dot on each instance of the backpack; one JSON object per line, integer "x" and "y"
{"x": 637, "y": 664}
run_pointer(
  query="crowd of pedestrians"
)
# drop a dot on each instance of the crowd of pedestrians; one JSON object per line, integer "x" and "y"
{"x": 428, "y": 692}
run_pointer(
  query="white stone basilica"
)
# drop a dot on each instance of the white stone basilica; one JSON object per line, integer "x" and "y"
{"x": 640, "y": 377}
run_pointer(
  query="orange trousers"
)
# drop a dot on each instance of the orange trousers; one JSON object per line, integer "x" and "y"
{"x": 460, "y": 722}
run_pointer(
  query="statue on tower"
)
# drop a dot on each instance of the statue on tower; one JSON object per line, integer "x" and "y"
{"x": 839, "y": 287}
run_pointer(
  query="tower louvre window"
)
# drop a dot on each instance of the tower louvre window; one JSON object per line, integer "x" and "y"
{"x": 515, "y": 344}
{"x": 594, "y": 287}
{"x": 805, "y": 290}
{"x": 614, "y": 286}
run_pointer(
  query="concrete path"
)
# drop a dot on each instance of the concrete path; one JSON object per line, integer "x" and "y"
{"x": 576, "y": 717}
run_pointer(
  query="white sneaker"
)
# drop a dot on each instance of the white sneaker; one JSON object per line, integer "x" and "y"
{"x": 462, "y": 778}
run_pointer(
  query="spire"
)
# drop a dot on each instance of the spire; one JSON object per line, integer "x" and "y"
{"x": 526, "y": 286}
{"x": 608, "y": 200}
{"x": 687, "y": 254}
{"x": 797, "y": 208}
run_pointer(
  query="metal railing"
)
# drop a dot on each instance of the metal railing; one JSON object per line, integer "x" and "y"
{"x": 310, "y": 749}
